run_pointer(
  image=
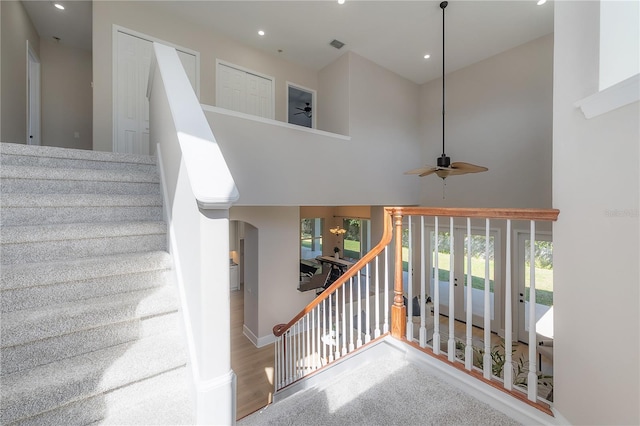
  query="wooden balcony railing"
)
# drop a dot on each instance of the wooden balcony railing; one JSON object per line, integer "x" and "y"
{"x": 360, "y": 306}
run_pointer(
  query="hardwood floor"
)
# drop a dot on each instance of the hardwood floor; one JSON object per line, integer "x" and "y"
{"x": 253, "y": 366}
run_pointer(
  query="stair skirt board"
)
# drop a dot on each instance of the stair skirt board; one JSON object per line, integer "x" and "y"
{"x": 91, "y": 332}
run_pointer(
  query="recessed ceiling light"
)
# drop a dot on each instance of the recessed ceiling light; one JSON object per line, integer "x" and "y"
{"x": 340, "y": 1}
{"x": 541, "y": 2}
{"x": 260, "y": 33}
{"x": 58, "y": 6}
{"x": 427, "y": 56}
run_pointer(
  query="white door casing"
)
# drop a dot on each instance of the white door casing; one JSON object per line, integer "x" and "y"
{"x": 33, "y": 97}
{"x": 131, "y": 62}
{"x": 243, "y": 90}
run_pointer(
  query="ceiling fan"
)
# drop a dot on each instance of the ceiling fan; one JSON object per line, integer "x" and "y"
{"x": 444, "y": 167}
{"x": 306, "y": 110}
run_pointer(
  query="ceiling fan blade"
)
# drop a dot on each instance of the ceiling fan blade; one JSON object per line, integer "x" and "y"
{"x": 463, "y": 168}
{"x": 422, "y": 171}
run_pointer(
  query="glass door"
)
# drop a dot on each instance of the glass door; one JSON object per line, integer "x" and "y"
{"x": 460, "y": 268}
{"x": 543, "y": 272}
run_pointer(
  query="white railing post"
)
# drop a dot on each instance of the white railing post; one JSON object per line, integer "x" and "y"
{"x": 351, "y": 344}
{"x": 385, "y": 328}
{"x": 358, "y": 314}
{"x": 367, "y": 316}
{"x": 451, "y": 347}
{"x": 423, "y": 288}
{"x": 508, "y": 326}
{"x": 436, "y": 295}
{"x": 487, "y": 361}
{"x": 344, "y": 321}
{"x": 532, "y": 377}
{"x": 376, "y": 332}
{"x": 468, "y": 349}
{"x": 410, "y": 283}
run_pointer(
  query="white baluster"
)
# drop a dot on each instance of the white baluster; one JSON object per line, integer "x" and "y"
{"x": 331, "y": 330}
{"x": 289, "y": 352}
{"x": 344, "y": 321}
{"x": 385, "y": 328}
{"x": 409, "y": 329}
{"x": 324, "y": 331}
{"x": 337, "y": 325}
{"x": 367, "y": 316}
{"x": 487, "y": 361}
{"x": 451, "y": 347}
{"x": 468, "y": 349}
{"x": 508, "y": 345}
{"x": 423, "y": 288}
{"x": 436, "y": 296}
{"x": 532, "y": 377}
{"x": 351, "y": 345}
{"x": 359, "y": 341}
{"x": 376, "y": 332}
{"x": 277, "y": 364}
{"x": 312, "y": 316}
{"x": 309, "y": 353}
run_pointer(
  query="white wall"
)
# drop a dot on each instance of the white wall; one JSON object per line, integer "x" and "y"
{"x": 278, "y": 273}
{"x": 333, "y": 97}
{"x": 66, "y": 96}
{"x": 498, "y": 115}
{"x": 384, "y": 124}
{"x": 16, "y": 30}
{"x": 277, "y": 164}
{"x": 596, "y": 187}
{"x": 147, "y": 18}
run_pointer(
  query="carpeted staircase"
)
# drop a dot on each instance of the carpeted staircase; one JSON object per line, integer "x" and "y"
{"x": 89, "y": 314}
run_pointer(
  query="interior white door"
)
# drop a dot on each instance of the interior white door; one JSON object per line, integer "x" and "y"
{"x": 243, "y": 91}
{"x": 131, "y": 134}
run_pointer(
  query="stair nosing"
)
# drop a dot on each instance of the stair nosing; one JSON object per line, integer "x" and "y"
{"x": 86, "y": 231}
{"x": 30, "y": 173}
{"x": 7, "y": 148}
{"x": 30, "y": 200}
{"x": 83, "y": 269}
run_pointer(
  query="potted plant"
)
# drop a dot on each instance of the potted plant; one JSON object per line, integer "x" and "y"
{"x": 336, "y": 252}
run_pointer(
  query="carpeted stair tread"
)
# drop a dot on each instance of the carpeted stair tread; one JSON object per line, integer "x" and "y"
{"x": 45, "y": 351}
{"x": 70, "y": 174}
{"x": 77, "y": 154}
{"x": 48, "y": 273}
{"x": 164, "y": 398}
{"x": 85, "y": 200}
{"x": 78, "y": 231}
{"x": 20, "y": 327}
{"x": 34, "y": 297}
{"x": 43, "y": 388}
{"x": 89, "y": 214}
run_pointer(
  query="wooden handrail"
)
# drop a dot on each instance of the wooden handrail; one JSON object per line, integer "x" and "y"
{"x": 484, "y": 213}
{"x": 387, "y": 235}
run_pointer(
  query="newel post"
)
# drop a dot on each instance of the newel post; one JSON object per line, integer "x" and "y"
{"x": 398, "y": 310}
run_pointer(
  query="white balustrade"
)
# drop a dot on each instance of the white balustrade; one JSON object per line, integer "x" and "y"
{"x": 325, "y": 332}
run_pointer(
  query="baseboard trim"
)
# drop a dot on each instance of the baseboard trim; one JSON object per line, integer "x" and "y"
{"x": 258, "y": 342}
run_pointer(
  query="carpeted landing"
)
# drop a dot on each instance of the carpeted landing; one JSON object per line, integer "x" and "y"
{"x": 387, "y": 390}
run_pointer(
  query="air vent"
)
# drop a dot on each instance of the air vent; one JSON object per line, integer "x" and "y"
{"x": 337, "y": 44}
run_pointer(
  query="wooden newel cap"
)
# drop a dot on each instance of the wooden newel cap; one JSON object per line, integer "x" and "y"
{"x": 277, "y": 328}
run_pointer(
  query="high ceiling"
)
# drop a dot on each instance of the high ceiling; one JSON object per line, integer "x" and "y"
{"x": 393, "y": 34}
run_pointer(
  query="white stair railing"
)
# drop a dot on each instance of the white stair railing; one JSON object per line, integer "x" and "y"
{"x": 431, "y": 339}
{"x": 341, "y": 319}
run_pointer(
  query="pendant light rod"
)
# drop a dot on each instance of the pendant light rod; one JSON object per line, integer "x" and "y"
{"x": 443, "y": 5}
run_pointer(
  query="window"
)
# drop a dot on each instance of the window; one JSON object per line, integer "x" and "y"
{"x": 311, "y": 238}
{"x": 357, "y": 239}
